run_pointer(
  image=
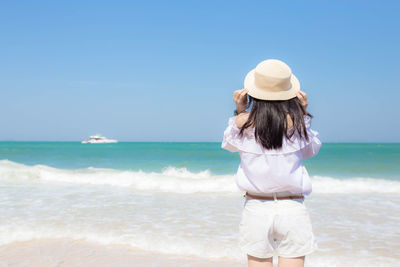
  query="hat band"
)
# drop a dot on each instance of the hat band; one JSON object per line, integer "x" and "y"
{"x": 272, "y": 84}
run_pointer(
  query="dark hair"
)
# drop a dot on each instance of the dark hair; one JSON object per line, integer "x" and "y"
{"x": 269, "y": 117}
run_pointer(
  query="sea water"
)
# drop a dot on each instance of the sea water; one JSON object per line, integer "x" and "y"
{"x": 181, "y": 198}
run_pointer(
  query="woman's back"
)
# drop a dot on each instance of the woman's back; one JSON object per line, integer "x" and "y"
{"x": 264, "y": 171}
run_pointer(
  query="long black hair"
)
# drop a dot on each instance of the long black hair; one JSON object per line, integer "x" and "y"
{"x": 269, "y": 117}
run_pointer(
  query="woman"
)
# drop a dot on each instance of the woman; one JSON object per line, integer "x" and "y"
{"x": 272, "y": 140}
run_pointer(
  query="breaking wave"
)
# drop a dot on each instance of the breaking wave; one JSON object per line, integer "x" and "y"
{"x": 175, "y": 180}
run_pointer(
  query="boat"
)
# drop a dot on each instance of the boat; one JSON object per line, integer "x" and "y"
{"x": 98, "y": 139}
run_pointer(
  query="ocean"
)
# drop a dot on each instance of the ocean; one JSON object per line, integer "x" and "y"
{"x": 181, "y": 198}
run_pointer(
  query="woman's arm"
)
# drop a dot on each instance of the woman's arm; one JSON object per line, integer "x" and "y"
{"x": 240, "y": 99}
{"x": 303, "y": 99}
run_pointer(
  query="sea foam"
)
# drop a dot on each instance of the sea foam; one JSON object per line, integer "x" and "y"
{"x": 176, "y": 180}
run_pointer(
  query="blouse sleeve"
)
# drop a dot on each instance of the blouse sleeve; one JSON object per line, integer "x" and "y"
{"x": 311, "y": 148}
{"x": 231, "y": 134}
{"x": 233, "y": 142}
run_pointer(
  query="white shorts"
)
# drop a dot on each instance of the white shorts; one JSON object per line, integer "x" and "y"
{"x": 276, "y": 227}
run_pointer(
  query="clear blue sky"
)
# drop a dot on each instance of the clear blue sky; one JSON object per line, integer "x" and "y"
{"x": 166, "y": 70}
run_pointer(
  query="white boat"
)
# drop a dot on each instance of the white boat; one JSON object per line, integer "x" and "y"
{"x": 98, "y": 139}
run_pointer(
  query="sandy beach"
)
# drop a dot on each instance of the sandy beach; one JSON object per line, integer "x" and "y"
{"x": 69, "y": 252}
{"x": 65, "y": 252}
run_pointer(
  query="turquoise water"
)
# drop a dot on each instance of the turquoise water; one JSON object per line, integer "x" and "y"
{"x": 338, "y": 160}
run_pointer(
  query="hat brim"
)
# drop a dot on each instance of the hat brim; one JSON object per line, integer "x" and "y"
{"x": 259, "y": 93}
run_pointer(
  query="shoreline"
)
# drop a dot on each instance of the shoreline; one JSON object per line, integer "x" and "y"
{"x": 69, "y": 252}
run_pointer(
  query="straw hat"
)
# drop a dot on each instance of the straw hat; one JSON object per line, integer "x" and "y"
{"x": 272, "y": 79}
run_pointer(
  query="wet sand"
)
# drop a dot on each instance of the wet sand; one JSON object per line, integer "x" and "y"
{"x": 68, "y": 252}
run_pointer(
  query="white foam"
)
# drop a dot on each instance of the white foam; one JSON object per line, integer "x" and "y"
{"x": 176, "y": 180}
{"x": 329, "y": 185}
{"x": 177, "y": 226}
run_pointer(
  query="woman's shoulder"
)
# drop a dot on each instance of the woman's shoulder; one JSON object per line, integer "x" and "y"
{"x": 241, "y": 119}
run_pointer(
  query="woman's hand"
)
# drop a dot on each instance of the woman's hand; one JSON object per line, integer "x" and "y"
{"x": 240, "y": 98}
{"x": 303, "y": 99}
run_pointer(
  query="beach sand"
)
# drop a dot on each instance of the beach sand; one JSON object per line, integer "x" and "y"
{"x": 69, "y": 252}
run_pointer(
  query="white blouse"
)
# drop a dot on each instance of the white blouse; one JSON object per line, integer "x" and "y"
{"x": 264, "y": 171}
